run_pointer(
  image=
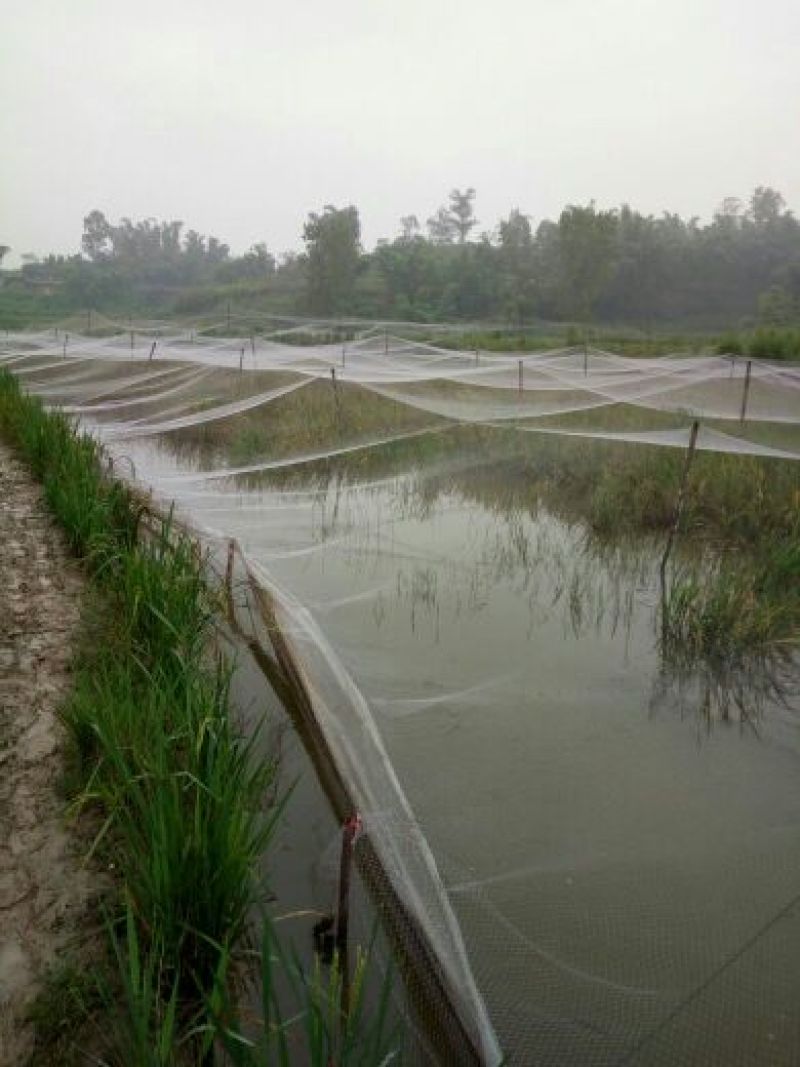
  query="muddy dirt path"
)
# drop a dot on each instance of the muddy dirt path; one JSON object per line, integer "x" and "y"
{"x": 43, "y": 886}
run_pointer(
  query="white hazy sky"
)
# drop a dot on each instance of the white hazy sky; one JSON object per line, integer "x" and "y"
{"x": 241, "y": 117}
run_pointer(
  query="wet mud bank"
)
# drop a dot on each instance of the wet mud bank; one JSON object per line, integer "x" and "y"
{"x": 44, "y": 888}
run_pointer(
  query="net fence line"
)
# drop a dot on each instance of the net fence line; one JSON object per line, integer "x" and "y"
{"x": 681, "y": 386}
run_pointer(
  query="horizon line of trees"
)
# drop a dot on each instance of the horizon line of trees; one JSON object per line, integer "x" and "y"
{"x": 613, "y": 265}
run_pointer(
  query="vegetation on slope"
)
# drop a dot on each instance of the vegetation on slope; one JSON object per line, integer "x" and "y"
{"x": 181, "y": 800}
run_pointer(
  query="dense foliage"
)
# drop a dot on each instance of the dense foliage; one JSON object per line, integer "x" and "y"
{"x": 620, "y": 266}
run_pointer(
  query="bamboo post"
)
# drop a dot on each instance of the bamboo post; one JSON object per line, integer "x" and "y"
{"x": 349, "y": 831}
{"x": 477, "y": 357}
{"x": 229, "y": 578}
{"x": 344, "y": 351}
{"x": 152, "y": 349}
{"x": 253, "y": 344}
{"x": 679, "y": 504}
{"x": 746, "y": 390}
{"x": 386, "y": 342}
{"x": 64, "y": 353}
{"x": 241, "y": 360}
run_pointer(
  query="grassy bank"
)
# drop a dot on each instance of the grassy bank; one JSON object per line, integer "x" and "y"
{"x": 180, "y": 801}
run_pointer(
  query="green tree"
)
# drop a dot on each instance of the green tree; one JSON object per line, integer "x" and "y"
{"x": 586, "y": 250}
{"x": 96, "y": 240}
{"x": 333, "y": 250}
{"x": 441, "y": 228}
{"x": 462, "y": 212}
{"x": 766, "y": 206}
{"x": 517, "y": 285}
{"x": 454, "y": 221}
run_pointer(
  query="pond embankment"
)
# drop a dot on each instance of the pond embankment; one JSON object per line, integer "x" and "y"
{"x": 44, "y": 888}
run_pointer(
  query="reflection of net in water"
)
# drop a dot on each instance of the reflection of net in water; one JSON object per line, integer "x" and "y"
{"x": 482, "y": 683}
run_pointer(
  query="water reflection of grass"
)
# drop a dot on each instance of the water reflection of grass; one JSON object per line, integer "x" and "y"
{"x": 742, "y": 512}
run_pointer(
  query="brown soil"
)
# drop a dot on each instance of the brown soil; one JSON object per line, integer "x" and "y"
{"x": 43, "y": 885}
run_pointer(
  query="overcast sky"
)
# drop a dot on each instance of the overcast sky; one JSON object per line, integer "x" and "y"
{"x": 241, "y": 117}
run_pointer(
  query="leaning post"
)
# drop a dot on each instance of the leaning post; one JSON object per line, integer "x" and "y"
{"x": 746, "y": 390}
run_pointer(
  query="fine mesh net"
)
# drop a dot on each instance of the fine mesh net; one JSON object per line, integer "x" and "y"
{"x": 573, "y": 866}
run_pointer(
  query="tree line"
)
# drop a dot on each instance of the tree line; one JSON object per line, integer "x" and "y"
{"x": 616, "y": 265}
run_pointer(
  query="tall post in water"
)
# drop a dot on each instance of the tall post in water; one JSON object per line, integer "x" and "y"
{"x": 746, "y": 390}
{"x": 676, "y": 519}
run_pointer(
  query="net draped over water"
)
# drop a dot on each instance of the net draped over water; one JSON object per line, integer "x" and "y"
{"x": 596, "y": 877}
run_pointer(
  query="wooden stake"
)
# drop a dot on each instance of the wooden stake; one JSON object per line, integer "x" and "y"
{"x": 344, "y": 350}
{"x": 477, "y": 355}
{"x": 746, "y": 390}
{"x": 241, "y": 361}
{"x": 676, "y": 520}
{"x": 152, "y": 349}
{"x": 229, "y": 578}
{"x": 349, "y": 831}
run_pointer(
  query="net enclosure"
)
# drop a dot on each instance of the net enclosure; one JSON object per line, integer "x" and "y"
{"x": 583, "y": 824}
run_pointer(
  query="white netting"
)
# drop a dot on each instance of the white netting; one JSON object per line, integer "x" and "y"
{"x": 459, "y": 644}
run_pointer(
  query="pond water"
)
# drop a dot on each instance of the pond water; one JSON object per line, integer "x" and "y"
{"x": 620, "y": 849}
{"x": 614, "y": 857}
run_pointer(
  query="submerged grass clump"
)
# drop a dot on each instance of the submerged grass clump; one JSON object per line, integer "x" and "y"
{"x": 736, "y": 607}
